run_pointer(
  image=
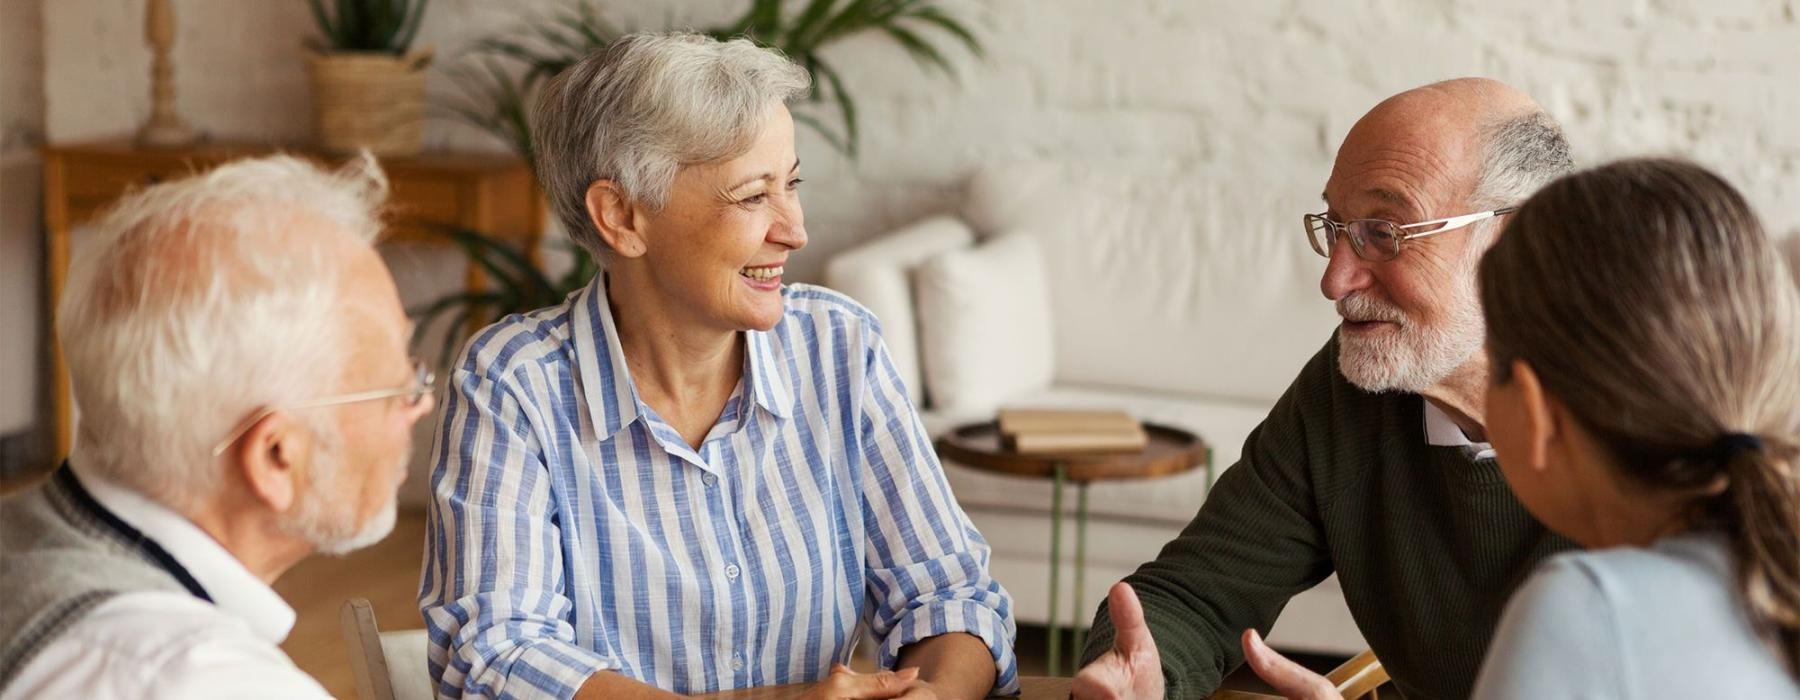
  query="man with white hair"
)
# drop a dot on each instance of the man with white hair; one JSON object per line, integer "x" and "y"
{"x": 1373, "y": 466}
{"x": 237, "y": 350}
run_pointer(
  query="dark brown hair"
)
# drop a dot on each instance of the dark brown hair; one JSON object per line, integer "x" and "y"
{"x": 1649, "y": 300}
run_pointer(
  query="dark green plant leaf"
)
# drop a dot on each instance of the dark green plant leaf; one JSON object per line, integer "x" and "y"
{"x": 854, "y": 17}
{"x": 937, "y": 18}
{"x": 805, "y": 25}
{"x": 921, "y": 50}
{"x": 412, "y": 14}
{"x": 764, "y": 20}
{"x": 424, "y": 316}
{"x": 846, "y": 106}
{"x": 369, "y": 25}
{"x": 324, "y": 22}
{"x": 512, "y": 271}
{"x": 454, "y": 335}
{"x": 824, "y": 132}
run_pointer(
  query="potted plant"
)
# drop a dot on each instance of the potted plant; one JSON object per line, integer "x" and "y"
{"x": 368, "y": 86}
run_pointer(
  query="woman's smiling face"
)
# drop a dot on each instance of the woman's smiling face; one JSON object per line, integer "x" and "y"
{"x": 719, "y": 246}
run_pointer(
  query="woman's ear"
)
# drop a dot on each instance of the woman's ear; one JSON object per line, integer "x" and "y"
{"x": 271, "y": 457}
{"x": 1544, "y": 416}
{"x": 615, "y": 216}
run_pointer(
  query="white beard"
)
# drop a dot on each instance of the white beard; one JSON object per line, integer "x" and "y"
{"x": 327, "y": 520}
{"x": 375, "y": 530}
{"x": 1412, "y": 358}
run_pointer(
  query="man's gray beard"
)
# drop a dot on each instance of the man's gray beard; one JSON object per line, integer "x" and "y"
{"x": 326, "y": 518}
{"x": 1413, "y": 358}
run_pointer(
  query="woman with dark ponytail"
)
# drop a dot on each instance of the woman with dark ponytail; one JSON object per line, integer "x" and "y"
{"x": 1645, "y": 398}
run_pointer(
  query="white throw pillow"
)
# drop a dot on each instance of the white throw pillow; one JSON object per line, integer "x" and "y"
{"x": 984, "y": 324}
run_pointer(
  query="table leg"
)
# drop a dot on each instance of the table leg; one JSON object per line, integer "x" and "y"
{"x": 1053, "y": 630}
{"x": 1075, "y": 621}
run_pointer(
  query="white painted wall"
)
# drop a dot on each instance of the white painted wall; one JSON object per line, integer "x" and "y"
{"x": 1257, "y": 92}
{"x": 1261, "y": 88}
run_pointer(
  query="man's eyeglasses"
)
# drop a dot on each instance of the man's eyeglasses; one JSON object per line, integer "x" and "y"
{"x": 414, "y": 392}
{"x": 1376, "y": 240}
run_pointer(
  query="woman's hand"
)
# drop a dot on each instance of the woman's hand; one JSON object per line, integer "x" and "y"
{"x": 845, "y": 684}
{"x": 1292, "y": 680}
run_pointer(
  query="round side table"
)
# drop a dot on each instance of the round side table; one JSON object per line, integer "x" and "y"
{"x": 979, "y": 446}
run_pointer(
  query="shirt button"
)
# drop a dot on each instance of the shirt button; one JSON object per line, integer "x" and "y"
{"x": 709, "y": 479}
{"x": 737, "y": 662}
{"x": 732, "y": 571}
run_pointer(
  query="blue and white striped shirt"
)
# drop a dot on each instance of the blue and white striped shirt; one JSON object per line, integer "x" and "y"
{"x": 572, "y": 530}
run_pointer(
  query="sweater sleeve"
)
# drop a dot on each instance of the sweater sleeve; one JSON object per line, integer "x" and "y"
{"x": 1256, "y": 542}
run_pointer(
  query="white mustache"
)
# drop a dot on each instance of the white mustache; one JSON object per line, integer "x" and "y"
{"x": 1361, "y": 308}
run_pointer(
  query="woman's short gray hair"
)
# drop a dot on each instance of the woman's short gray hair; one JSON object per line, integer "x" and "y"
{"x": 199, "y": 301}
{"x": 638, "y": 110}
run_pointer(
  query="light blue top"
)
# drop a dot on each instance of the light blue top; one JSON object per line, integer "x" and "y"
{"x": 1628, "y": 623}
{"x": 573, "y": 530}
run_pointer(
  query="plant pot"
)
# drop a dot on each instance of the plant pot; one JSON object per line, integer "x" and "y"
{"x": 368, "y": 100}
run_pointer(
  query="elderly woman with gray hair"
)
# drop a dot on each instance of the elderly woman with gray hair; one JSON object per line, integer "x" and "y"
{"x": 690, "y": 477}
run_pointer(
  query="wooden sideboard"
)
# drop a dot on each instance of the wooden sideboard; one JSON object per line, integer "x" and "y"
{"x": 491, "y": 193}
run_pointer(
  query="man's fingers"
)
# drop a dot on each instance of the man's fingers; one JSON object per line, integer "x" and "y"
{"x": 1130, "y": 634}
{"x": 1286, "y": 677}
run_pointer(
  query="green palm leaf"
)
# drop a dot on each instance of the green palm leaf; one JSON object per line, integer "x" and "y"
{"x": 369, "y": 25}
{"x": 846, "y": 106}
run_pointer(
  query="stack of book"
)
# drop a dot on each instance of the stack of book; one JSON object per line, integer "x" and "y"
{"x": 1037, "y": 431}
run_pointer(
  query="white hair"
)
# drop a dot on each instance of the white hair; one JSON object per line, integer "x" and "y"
{"x": 1521, "y": 154}
{"x": 202, "y": 300}
{"x": 638, "y": 110}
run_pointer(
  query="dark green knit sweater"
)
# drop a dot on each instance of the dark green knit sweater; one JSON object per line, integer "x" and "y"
{"x": 1426, "y": 541}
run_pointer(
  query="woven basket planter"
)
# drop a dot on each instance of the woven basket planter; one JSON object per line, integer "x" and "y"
{"x": 368, "y": 100}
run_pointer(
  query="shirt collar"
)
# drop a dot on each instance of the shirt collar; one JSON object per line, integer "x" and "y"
{"x": 232, "y": 587}
{"x": 1441, "y": 431}
{"x": 768, "y": 381}
{"x": 606, "y": 380}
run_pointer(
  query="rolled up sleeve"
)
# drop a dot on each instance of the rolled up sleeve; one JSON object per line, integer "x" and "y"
{"x": 927, "y": 565}
{"x": 492, "y": 593}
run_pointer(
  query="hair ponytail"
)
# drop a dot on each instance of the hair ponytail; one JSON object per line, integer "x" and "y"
{"x": 1762, "y": 518}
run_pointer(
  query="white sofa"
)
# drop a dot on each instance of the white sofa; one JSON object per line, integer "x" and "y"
{"x": 1083, "y": 285}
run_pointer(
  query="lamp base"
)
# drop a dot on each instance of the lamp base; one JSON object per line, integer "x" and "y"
{"x": 171, "y": 133}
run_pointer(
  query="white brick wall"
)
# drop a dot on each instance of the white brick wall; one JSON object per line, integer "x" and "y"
{"x": 1257, "y": 91}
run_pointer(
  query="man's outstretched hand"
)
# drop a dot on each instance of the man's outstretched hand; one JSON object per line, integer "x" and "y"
{"x": 1132, "y": 670}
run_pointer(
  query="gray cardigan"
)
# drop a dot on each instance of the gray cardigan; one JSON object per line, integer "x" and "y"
{"x": 61, "y": 555}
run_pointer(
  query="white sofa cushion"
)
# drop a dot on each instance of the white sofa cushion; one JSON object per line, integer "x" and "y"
{"x": 1171, "y": 501}
{"x": 878, "y": 274}
{"x": 990, "y": 330}
{"x": 1162, "y": 283}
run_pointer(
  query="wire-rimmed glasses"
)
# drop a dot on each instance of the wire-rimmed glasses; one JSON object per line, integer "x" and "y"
{"x": 1377, "y": 240}
{"x": 415, "y": 391}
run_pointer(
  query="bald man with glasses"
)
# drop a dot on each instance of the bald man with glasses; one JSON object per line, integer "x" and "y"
{"x": 1373, "y": 466}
